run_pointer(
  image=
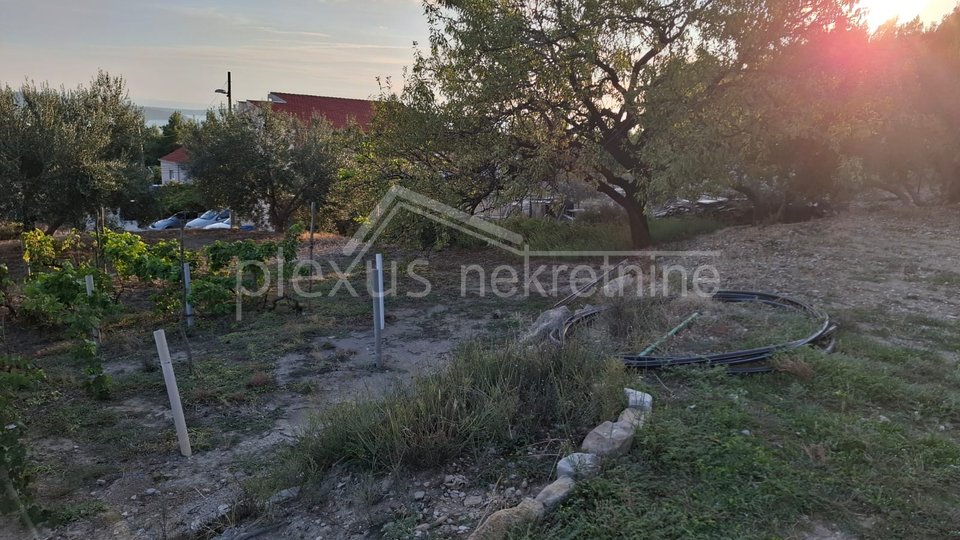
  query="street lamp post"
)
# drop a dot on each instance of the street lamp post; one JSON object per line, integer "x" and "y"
{"x": 228, "y": 92}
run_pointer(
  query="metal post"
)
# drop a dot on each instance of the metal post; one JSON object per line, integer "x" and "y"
{"x": 88, "y": 281}
{"x": 229, "y": 94}
{"x": 378, "y": 315}
{"x": 313, "y": 219}
{"x": 187, "y": 307}
{"x": 170, "y": 379}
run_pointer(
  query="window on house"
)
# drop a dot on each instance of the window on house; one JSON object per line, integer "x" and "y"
{"x": 171, "y": 174}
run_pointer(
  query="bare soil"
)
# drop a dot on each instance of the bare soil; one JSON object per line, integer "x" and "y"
{"x": 904, "y": 262}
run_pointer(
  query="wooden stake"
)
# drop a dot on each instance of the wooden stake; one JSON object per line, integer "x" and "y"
{"x": 172, "y": 392}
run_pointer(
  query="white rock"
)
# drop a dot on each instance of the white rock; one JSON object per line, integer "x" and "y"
{"x": 473, "y": 500}
{"x": 634, "y": 417}
{"x": 579, "y": 466}
{"x": 556, "y": 492}
{"x": 419, "y": 495}
{"x": 499, "y": 523}
{"x": 638, "y": 400}
{"x": 284, "y": 495}
{"x": 609, "y": 439}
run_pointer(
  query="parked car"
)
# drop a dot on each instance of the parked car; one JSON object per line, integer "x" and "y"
{"x": 225, "y": 224}
{"x": 173, "y": 222}
{"x": 208, "y": 218}
{"x": 228, "y": 224}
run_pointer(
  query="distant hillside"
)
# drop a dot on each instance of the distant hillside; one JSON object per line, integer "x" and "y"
{"x": 157, "y": 116}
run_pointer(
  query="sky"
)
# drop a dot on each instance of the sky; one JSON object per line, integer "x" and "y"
{"x": 175, "y": 53}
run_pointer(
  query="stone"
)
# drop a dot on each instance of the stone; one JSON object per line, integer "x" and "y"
{"x": 454, "y": 481}
{"x": 638, "y": 400}
{"x": 579, "y": 466}
{"x": 555, "y": 493}
{"x": 547, "y": 322}
{"x": 419, "y": 495}
{"x": 746, "y": 432}
{"x": 495, "y": 527}
{"x": 283, "y": 495}
{"x": 609, "y": 439}
{"x": 151, "y": 491}
{"x": 472, "y": 501}
{"x": 634, "y": 417}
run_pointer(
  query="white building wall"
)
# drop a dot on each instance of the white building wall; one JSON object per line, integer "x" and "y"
{"x": 173, "y": 172}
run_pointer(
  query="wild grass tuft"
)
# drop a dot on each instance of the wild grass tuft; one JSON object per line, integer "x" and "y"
{"x": 491, "y": 396}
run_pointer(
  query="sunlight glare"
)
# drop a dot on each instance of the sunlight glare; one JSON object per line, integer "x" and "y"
{"x": 878, "y": 12}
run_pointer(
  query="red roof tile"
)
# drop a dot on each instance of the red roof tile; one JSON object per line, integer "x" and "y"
{"x": 177, "y": 156}
{"x": 338, "y": 111}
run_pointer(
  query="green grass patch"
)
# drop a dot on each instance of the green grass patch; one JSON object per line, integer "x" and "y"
{"x": 857, "y": 442}
{"x": 593, "y": 235}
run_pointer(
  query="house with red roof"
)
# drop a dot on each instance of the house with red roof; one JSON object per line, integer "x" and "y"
{"x": 340, "y": 112}
{"x": 173, "y": 167}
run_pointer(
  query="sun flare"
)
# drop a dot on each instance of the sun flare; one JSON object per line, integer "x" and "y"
{"x": 877, "y": 12}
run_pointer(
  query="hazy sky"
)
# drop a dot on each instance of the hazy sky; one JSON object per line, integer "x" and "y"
{"x": 175, "y": 53}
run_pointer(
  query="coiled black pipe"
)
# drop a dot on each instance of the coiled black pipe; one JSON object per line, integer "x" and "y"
{"x": 738, "y": 362}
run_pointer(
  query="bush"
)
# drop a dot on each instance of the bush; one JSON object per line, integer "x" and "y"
{"x": 59, "y": 298}
{"x": 16, "y": 374}
{"x": 490, "y": 396}
{"x": 10, "y": 230}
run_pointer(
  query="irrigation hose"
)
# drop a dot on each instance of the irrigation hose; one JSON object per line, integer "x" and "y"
{"x": 741, "y": 362}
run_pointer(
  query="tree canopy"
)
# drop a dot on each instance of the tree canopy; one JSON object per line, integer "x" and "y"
{"x": 66, "y": 153}
{"x": 264, "y": 162}
{"x": 606, "y": 83}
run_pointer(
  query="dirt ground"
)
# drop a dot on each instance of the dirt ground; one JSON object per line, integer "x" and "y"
{"x": 904, "y": 262}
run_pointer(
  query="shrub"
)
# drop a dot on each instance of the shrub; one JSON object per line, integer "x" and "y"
{"x": 16, "y": 374}
{"x": 59, "y": 298}
{"x": 490, "y": 396}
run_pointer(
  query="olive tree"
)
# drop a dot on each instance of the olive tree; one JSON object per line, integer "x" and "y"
{"x": 261, "y": 160}
{"x": 607, "y": 81}
{"x": 66, "y": 153}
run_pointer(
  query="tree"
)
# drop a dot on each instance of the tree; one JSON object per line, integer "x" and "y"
{"x": 160, "y": 141}
{"x": 65, "y": 154}
{"x": 449, "y": 151}
{"x": 608, "y": 80}
{"x": 264, "y": 160}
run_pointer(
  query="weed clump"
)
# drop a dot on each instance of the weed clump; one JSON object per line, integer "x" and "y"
{"x": 491, "y": 396}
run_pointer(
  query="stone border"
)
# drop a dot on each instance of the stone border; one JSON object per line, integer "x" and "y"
{"x": 608, "y": 440}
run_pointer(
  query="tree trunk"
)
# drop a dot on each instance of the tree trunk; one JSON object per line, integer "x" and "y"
{"x": 953, "y": 192}
{"x": 636, "y": 214}
{"x": 52, "y": 227}
{"x": 639, "y": 227}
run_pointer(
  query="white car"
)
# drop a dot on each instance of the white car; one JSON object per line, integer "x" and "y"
{"x": 219, "y": 225}
{"x": 208, "y": 218}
